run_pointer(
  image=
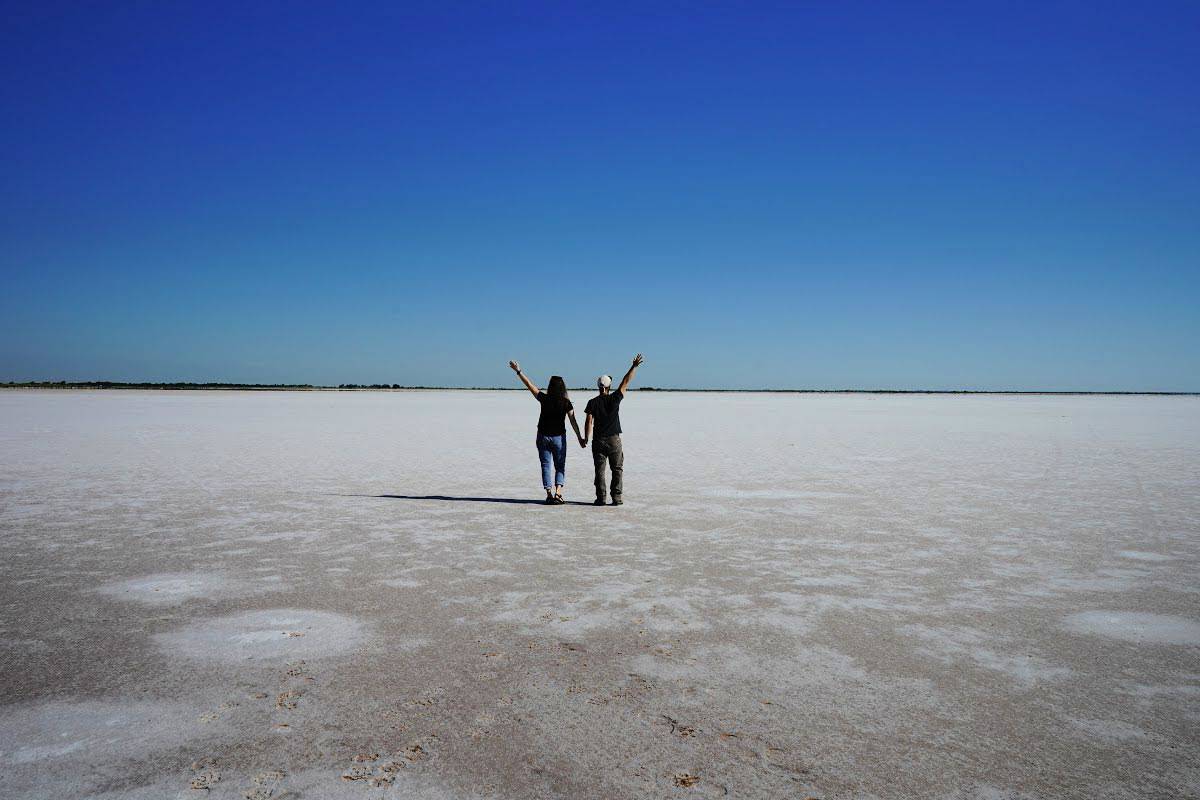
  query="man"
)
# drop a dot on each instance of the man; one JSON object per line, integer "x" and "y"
{"x": 604, "y": 411}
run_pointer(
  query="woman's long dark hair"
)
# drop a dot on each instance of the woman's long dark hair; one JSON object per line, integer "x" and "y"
{"x": 557, "y": 387}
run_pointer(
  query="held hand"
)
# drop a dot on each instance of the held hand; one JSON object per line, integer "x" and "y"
{"x": 514, "y": 366}
{"x": 582, "y": 442}
{"x": 637, "y": 360}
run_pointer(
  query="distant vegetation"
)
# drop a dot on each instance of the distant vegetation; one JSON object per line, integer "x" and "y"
{"x": 174, "y": 385}
{"x": 193, "y": 386}
{"x": 266, "y": 387}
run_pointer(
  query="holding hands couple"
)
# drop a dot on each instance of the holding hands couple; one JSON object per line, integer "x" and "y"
{"x": 603, "y": 410}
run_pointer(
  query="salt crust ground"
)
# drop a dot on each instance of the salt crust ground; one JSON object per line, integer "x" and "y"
{"x": 238, "y": 595}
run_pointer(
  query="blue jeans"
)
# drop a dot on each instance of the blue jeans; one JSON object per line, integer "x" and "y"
{"x": 552, "y": 450}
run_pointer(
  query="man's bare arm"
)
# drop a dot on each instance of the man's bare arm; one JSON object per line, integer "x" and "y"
{"x": 587, "y": 429}
{"x": 528, "y": 383}
{"x": 637, "y": 362}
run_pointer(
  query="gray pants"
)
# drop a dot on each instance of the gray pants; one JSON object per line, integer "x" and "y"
{"x": 608, "y": 450}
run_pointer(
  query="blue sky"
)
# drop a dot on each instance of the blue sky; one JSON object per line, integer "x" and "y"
{"x": 834, "y": 195}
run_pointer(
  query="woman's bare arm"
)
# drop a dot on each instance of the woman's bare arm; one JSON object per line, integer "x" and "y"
{"x": 575, "y": 425}
{"x": 528, "y": 383}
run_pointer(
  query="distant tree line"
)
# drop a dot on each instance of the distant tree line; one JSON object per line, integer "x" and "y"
{"x": 210, "y": 385}
{"x": 148, "y": 385}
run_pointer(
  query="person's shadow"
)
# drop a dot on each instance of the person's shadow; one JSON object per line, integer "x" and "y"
{"x": 451, "y": 499}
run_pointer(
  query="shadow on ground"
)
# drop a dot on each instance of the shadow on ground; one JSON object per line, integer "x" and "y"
{"x": 507, "y": 500}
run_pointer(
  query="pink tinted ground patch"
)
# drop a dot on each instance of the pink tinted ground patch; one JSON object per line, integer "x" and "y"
{"x": 285, "y": 633}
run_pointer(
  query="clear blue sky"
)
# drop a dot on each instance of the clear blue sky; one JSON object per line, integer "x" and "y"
{"x": 978, "y": 195}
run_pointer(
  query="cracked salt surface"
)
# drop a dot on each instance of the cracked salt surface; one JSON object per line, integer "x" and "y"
{"x": 838, "y": 596}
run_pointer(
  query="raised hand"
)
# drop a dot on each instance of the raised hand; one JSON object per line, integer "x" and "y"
{"x": 528, "y": 383}
{"x": 637, "y": 361}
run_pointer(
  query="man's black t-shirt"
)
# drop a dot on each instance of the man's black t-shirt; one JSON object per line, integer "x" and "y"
{"x": 606, "y": 408}
{"x": 552, "y": 421}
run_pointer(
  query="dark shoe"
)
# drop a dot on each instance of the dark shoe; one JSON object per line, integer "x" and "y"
{"x": 549, "y": 500}
{"x": 599, "y": 501}
{"x": 559, "y": 501}
{"x": 618, "y": 501}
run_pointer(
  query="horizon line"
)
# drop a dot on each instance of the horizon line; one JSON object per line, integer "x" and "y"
{"x": 392, "y": 387}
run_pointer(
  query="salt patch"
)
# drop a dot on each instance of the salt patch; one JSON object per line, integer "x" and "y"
{"x": 93, "y": 730}
{"x": 276, "y": 634}
{"x": 1138, "y": 555}
{"x": 169, "y": 588}
{"x": 1132, "y": 626}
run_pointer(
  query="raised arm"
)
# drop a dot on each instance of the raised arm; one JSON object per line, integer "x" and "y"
{"x": 637, "y": 362}
{"x": 528, "y": 383}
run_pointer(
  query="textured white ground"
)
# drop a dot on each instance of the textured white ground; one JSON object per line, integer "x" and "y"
{"x": 240, "y": 595}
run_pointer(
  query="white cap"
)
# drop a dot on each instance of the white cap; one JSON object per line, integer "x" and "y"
{"x": 603, "y": 382}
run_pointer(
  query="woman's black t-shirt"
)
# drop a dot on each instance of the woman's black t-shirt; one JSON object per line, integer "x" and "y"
{"x": 552, "y": 421}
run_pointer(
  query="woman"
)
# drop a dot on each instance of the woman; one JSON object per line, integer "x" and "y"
{"x": 552, "y": 432}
